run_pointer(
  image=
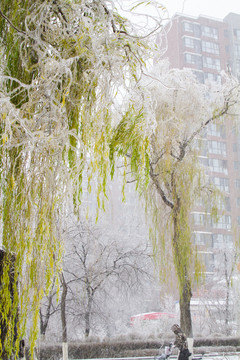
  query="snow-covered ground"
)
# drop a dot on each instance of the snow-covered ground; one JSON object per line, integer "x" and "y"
{"x": 213, "y": 356}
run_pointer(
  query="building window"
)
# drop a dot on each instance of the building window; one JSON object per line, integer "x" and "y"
{"x": 192, "y": 44}
{"x": 207, "y": 260}
{"x": 237, "y": 50}
{"x": 188, "y": 27}
{"x": 203, "y": 161}
{"x": 198, "y": 239}
{"x": 217, "y": 130}
{"x": 210, "y": 32}
{"x": 222, "y": 240}
{"x": 200, "y": 219}
{"x": 237, "y": 183}
{"x": 212, "y": 77}
{"x": 211, "y": 63}
{"x": 236, "y": 165}
{"x": 221, "y": 183}
{"x": 235, "y": 147}
{"x": 192, "y": 28}
{"x": 224, "y": 204}
{"x": 189, "y": 42}
{"x": 224, "y": 222}
{"x": 238, "y": 202}
{"x": 199, "y": 202}
{"x": 200, "y": 144}
{"x": 200, "y": 76}
{"x": 218, "y": 165}
{"x": 238, "y": 66}
{"x": 237, "y": 34}
{"x": 227, "y": 204}
{"x": 193, "y": 60}
{"x": 217, "y": 147}
{"x": 210, "y": 47}
{"x": 201, "y": 238}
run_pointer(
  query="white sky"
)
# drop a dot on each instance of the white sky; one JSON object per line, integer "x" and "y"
{"x": 213, "y": 8}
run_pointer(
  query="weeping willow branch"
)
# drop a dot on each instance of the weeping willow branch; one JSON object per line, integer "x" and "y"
{"x": 59, "y": 84}
{"x": 11, "y": 24}
{"x": 159, "y": 189}
{"x": 229, "y": 102}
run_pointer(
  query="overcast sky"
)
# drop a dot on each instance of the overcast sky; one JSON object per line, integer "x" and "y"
{"x": 214, "y": 8}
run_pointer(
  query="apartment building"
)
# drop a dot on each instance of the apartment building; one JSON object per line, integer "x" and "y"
{"x": 208, "y": 46}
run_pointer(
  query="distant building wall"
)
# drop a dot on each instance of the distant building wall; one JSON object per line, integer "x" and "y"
{"x": 209, "y": 46}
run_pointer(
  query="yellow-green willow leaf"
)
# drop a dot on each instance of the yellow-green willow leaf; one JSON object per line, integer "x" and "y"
{"x": 60, "y": 79}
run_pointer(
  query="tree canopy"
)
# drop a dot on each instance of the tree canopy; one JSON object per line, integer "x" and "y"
{"x": 70, "y": 72}
{"x": 174, "y": 111}
{"x": 63, "y": 64}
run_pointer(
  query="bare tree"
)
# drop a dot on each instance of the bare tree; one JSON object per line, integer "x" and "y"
{"x": 226, "y": 265}
{"x": 47, "y": 309}
{"x": 93, "y": 261}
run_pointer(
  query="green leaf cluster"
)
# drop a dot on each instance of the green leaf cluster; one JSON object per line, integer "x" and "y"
{"x": 63, "y": 63}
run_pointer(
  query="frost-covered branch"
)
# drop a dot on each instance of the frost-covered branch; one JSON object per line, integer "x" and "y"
{"x": 60, "y": 86}
{"x": 11, "y": 24}
{"x": 159, "y": 188}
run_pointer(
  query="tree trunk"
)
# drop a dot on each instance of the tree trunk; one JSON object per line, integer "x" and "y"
{"x": 228, "y": 277}
{"x": 88, "y": 313}
{"x": 87, "y": 324}
{"x": 44, "y": 320}
{"x": 182, "y": 272}
{"x": 64, "y": 320}
{"x": 185, "y": 311}
{"x": 227, "y": 310}
{"x": 43, "y": 325}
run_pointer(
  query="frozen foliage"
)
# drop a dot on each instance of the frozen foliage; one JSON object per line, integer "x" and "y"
{"x": 66, "y": 66}
{"x": 63, "y": 65}
{"x": 174, "y": 111}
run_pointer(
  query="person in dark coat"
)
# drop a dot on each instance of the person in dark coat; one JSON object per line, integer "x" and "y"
{"x": 181, "y": 343}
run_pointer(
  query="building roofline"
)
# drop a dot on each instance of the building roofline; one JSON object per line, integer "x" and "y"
{"x": 199, "y": 16}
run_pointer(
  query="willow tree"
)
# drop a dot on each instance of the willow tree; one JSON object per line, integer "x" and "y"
{"x": 62, "y": 64}
{"x": 173, "y": 113}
